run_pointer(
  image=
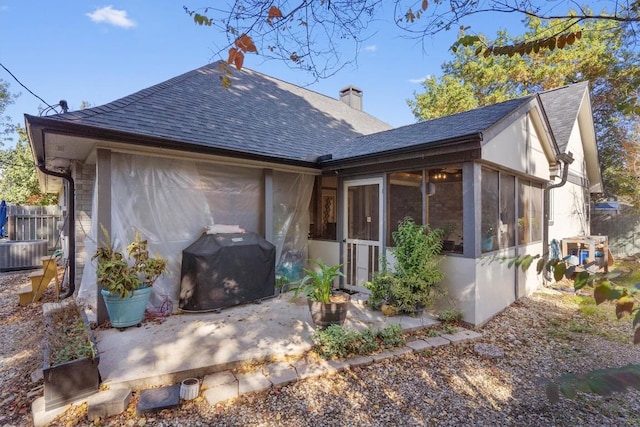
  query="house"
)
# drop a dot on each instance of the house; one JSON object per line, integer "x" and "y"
{"x": 320, "y": 178}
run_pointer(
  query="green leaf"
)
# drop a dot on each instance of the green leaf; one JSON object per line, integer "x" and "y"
{"x": 526, "y": 263}
{"x": 552, "y": 392}
{"x": 568, "y": 390}
{"x": 581, "y": 280}
{"x": 601, "y": 292}
{"x": 540, "y": 265}
{"x": 636, "y": 319}
{"x": 558, "y": 271}
{"x": 636, "y": 336}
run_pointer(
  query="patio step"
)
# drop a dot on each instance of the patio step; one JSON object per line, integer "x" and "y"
{"x": 40, "y": 279}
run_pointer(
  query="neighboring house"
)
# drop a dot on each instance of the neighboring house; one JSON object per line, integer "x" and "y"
{"x": 320, "y": 178}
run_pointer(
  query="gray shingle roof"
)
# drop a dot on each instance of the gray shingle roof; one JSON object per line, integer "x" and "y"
{"x": 421, "y": 134}
{"x": 258, "y": 114}
{"x": 561, "y": 106}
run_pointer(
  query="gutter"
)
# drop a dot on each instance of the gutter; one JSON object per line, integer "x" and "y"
{"x": 566, "y": 159}
{"x": 72, "y": 225}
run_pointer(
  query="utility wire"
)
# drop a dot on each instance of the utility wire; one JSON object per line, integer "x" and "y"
{"x": 20, "y": 83}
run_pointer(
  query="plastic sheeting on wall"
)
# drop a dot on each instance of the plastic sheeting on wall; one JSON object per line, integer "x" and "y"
{"x": 172, "y": 201}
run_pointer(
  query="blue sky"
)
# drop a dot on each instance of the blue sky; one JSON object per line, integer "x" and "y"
{"x": 79, "y": 50}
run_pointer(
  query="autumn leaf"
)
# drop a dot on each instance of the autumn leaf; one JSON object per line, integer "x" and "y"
{"x": 624, "y": 306}
{"x": 274, "y": 13}
{"x": 239, "y": 60}
{"x": 232, "y": 55}
{"x": 425, "y": 4}
{"x": 636, "y": 337}
{"x": 245, "y": 44}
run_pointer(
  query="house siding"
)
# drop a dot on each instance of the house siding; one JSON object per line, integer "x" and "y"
{"x": 518, "y": 147}
{"x": 84, "y": 176}
{"x": 570, "y": 202}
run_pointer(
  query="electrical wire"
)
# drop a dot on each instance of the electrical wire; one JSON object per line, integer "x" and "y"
{"x": 29, "y": 90}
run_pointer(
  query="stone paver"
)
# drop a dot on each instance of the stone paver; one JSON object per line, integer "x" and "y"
{"x": 107, "y": 403}
{"x": 219, "y": 378}
{"x": 360, "y": 361}
{"x": 156, "y": 399}
{"x": 221, "y": 392}
{"x": 310, "y": 370}
{"x": 252, "y": 382}
{"x": 281, "y": 374}
{"x": 383, "y": 355}
{"x": 437, "y": 341}
{"x": 461, "y": 336}
{"x": 419, "y": 345}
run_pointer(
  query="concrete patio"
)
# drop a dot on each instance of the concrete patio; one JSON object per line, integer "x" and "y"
{"x": 167, "y": 350}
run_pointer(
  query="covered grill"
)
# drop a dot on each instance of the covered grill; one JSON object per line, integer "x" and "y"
{"x": 222, "y": 270}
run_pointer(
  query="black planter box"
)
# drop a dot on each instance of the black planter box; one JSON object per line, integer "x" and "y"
{"x": 70, "y": 381}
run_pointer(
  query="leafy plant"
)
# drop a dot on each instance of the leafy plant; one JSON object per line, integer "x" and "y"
{"x": 122, "y": 276}
{"x": 380, "y": 288}
{"x": 318, "y": 283}
{"x": 417, "y": 273}
{"x": 336, "y": 341}
{"x": 68, "y": 336}
{"x": 450, "y": 316}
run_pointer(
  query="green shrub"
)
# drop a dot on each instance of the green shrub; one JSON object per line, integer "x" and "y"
{"x": 336, "y": 341}
{"x": 450, "y": 316}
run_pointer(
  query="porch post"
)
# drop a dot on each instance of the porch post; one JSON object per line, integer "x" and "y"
{"x": 268, "y": 205}
{"x": 471, "y": 212}
{"x": 103, "y": 215}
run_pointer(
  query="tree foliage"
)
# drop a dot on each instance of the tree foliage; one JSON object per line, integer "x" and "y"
{"x": 6, "y": 99}
{"x": 611, "y": 67}
{"x": 314, "y": 36}
{"x": 18, "y": 177}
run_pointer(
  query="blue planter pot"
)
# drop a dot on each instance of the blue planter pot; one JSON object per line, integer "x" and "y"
{"x": 487, "y": 243}
{"x": 127, "y": 311}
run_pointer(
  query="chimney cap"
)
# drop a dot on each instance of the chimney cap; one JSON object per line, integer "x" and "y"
{"x": 351, "y": 88}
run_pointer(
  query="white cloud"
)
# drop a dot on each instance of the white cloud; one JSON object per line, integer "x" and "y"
{"x": 420, "y": 79}
{"x": 371, "y": 48}
{"x": 109, "y": 15}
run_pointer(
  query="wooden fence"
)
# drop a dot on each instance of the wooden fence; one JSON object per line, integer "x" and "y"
{"x": 33, "y": 223}
{"x": 622, "y": 228}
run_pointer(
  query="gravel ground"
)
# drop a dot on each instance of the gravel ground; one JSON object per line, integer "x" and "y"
{"x": 542, "y": 337}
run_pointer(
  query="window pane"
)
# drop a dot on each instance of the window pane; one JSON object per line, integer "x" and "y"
{"x": 404, "y": 199}
{"x": 445, "y": 205}
{"x": 524, "y": 209}
{"x": 364, "y": 212}
{"x": 536, "y": 213}
{"x": 490, "y": 210}
{"x": 507, "y": 211}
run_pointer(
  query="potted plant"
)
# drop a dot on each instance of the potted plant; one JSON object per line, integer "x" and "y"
{"x": 326, "y": 306}
{"x": 414, "y": 283}
{"x": 488, "y": 236}
{"x": 126, "y": 282}
{"x": 70, "y": 368}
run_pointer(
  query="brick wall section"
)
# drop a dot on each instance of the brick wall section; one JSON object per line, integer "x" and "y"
{"x": 445, "y": 207}
{"x": 84, "y": 176}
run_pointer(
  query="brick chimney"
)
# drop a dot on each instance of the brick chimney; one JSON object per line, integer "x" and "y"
{"x": 352, "y": 96}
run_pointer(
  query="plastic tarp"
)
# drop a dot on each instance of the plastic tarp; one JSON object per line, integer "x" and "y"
{"x": 172, "y": 201}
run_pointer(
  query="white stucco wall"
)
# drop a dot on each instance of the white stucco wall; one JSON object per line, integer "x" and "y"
{"x": 518, "y": 147}
{"x": 569, "y": 217}
{"x": 325, "y": 250}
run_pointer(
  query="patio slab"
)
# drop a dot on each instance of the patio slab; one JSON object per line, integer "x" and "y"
{"x": 168, "y": 350}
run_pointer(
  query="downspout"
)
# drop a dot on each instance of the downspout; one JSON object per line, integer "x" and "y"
{"x": 72, "y": 226}
{"x": 566, "y": 159}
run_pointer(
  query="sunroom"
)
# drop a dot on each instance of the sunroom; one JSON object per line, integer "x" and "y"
{"x": 479, "y": 176}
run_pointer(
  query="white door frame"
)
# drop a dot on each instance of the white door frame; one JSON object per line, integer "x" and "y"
{"x": 364, "y": 253}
